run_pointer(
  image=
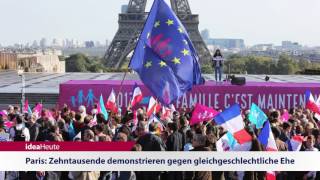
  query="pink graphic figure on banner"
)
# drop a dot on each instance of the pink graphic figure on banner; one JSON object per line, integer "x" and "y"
{"x": 202, "y": 113}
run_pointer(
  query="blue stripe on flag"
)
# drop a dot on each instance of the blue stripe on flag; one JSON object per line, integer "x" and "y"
{"x": 228, "y": 114}
{"x": 264, "y": 134}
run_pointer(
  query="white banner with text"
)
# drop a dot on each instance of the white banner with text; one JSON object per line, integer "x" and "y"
{"x": 159, "y": 161}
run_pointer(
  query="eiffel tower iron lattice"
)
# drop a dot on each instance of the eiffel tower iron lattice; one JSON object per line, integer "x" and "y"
{"x": 132, "y": 22}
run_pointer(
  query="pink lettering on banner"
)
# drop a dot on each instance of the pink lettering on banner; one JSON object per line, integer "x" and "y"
{"x": 265, "y": 94}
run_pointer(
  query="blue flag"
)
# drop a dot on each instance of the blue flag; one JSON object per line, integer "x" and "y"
{"x": 257, "y": 116}
{"x": 71, "y": 131}
{"x": 103, "y": 108}
{"x": 164, "y": 57}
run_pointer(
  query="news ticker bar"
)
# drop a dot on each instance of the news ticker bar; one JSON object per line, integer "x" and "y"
{"x": 66, "y": 146}
{"x": 159, "y": 161}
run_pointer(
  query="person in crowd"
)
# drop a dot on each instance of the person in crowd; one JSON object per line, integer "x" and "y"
{"x": 2, "y": 128}
{"x": 148, "y": 138}
{"x": 175, "y": 135}
{"x": 34, "y": 128}
{"x": 183, "y": 123}
{"x": 189, "y": 138}
{"x": 218, "y": 65}
{"x": 282, "y": 146}
{"x": 54, "y": 134}
{"x": 199, "y": 144}
{"x": 174, "y": 141}
{"x": 19, "y": 132}
{"x": 86, "y": 122}
{"x": 286, "y": 131}
{"x": 88, "y": 136}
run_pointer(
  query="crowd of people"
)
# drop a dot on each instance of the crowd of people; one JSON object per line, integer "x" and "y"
{"x": 169, "y": 134}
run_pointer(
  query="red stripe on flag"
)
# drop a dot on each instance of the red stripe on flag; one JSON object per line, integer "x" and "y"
{"x": 242, "y": 136}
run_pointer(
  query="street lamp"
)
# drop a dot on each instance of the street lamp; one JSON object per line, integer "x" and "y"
{"x": 23, "y": 90}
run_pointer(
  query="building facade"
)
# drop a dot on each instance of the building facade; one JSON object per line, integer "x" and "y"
{"x": 43, "y": 61}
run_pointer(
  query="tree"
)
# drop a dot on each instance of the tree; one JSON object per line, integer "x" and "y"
{"x": 287, "y": 65}
{"x": 76, "y": 63}
{"x": 81, "y": 63}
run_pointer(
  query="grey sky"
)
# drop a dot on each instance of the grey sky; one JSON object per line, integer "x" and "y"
{"x": 256, "y": 21}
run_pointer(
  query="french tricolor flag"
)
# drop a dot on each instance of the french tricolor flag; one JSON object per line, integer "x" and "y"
{"x": 311, "y": 103}
{"x": 111, "y": 103}
{"x": 153, "y": 107}
{"x": 136, "y": 96}
{"x": 231, "y": 120}
{"x": 295, "y": 143}
{"x": 266, "y": 138}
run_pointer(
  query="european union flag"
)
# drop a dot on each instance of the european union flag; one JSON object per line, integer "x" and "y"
{"x": 164, "y": 57}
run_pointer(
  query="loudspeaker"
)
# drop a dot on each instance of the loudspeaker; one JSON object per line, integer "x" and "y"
{"x": 238, "y": 81}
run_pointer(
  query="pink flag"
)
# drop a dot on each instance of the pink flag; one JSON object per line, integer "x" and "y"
{"x": 93, "y": 122}
{"x": 98, "y": 108}
{"x": 271, "y": 175}
{"x": 26, "y": 105}
{"x": 3, "y": 113}
{"x": 49, "y": 114}
{"x": 202, "y": 113}
{"x": 38, "y": 109}
{"x": 8, "y": 124}
{"x": 285, "y": 116}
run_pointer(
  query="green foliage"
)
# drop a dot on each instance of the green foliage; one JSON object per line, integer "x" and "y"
{"x": 81, "y": 63}
{"x": 266, "y": 65}
{"x": 238, "y": 65}
{"x": 206, "y": 69}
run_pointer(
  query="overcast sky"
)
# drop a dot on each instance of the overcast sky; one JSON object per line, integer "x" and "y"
{"x": 255, "y": 21}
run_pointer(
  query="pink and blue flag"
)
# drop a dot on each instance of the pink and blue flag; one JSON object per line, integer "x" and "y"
{"x": 165, "y": 57}
{"x": 266, "y": 138}
{"x": 38, "y": 109}
{"x": 231, "y": 120}
{"x": 26, "y": 108}
{"x": 257, "y": 116}
{"x": 202, "y": 113}
{"x": 226, "y": 143}
{"x": 103, "y": 108}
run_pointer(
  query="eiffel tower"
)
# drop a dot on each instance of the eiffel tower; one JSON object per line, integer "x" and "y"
{"x": 131, "y": 24}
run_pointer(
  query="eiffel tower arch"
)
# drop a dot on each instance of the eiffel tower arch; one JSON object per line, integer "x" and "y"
{"x": 131, "y": 24}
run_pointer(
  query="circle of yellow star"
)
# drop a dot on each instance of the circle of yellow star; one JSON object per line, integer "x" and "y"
{"x": 162, "y": 64}
{"x": 157, "y": 24}
{"x": 180, "y": 30}
{"x": 185, "y": 41}
{"x": 185, "y": 52}
{"x": 176, "y": 60}
{"x": 169, "y": 22}
{"x": 148, "y": 64}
